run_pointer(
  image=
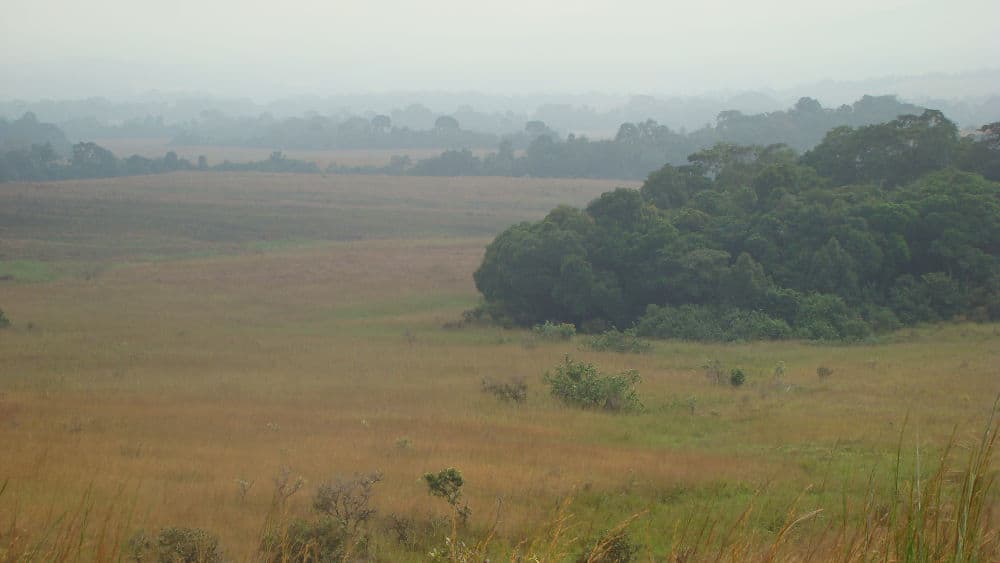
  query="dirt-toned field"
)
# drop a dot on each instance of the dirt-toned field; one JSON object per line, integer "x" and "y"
{"x": 173, "y": 335}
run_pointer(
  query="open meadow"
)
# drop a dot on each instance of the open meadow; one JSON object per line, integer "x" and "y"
{"x": 178, "y": 340}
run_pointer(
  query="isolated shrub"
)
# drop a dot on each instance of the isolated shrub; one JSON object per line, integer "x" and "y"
{"x": 348, "y": 502}
{"x": 4, "y": 321}
{"x": 737, "y": 377}
{"x": 302, "y": 541}
{"x": 139, "y": 547}
{"x": 515, "y": 389}
{"x": 554, "y": 331}
{"x": 447, "y": 484}
{"x": 581, "y": 384}
{"x": 183, "y": 545}
{"x": 619, "y": 341}
{"x": 403, "y": 529}
{"x": 343, "y": 510}
{"x": 823, "y": 372}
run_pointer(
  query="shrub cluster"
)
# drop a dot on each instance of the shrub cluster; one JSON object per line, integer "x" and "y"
{"x": 343, "y": 510}
{"x": 581, "y": 384}
{"x": 621, "y": 341}
{"x": 176, "y": 545}
{"x": 553, "y": 331}
{"x": 707, "y": 323}
{"x": 515, "y": 389}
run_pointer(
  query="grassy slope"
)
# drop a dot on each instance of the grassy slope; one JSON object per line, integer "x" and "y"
{"x": 160, "y": 383}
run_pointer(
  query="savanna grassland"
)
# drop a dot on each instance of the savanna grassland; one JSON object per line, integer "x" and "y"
{"x": 173, "y": 335}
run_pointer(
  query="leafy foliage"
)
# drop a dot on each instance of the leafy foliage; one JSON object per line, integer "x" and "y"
{"x": 581, "y": 384}
{"x": 447, "y": 484}
{"x": 553, "y": 331}
{"x": 752, "y": 243}
{"x": 619, "y": 341}
{"x": 737, "y": 378}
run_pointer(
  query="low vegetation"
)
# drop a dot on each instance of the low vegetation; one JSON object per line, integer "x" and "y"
{"x": 582, "y": 384}
{"x": 621, "y": 341}
{"x": 514, "y": 389}
{"x": 553, "y": 331}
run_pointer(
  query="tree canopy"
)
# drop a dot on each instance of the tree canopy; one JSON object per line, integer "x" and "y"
{"x": 873, "y": 229}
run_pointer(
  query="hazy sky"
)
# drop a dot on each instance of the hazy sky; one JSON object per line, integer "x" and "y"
{"x": 71, "y": 48}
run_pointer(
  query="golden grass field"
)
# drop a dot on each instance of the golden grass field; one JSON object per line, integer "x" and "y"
{"x": 160, "y": 357}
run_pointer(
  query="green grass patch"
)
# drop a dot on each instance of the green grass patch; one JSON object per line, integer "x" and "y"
{"x": 26, "y": 271}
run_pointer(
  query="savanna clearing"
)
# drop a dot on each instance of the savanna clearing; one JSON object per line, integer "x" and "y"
{"x": 174, "y": 335}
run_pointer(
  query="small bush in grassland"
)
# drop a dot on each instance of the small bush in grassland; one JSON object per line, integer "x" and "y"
{"x": 619, "y": 341}
{"x": 447, "y": 484}
{"x": 736, "y": 377}
{"x": 304, "y": 540}
{"x": 343, "y": 510}
{"x": 348, "y": 502}
{"x": 403, "y": 528}
{"x": 823, "y": 372}
{"x": 582, "y": 384}
{"x": 515, "y": 389}
{"x": 553, "y": 331}
{"x": 4, "y": 321}
{"x": 175, "y": 545}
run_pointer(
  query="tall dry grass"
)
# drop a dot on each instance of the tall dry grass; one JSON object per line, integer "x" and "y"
{"x": 947, "y": 517}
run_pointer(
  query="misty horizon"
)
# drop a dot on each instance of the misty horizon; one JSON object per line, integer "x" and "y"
{"x": 262, "y": 52}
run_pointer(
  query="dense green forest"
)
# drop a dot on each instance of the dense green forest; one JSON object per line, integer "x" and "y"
{"x": 876, "y": 227}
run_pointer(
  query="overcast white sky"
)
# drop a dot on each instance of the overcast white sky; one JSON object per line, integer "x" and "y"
{"x": 257, "y": 49}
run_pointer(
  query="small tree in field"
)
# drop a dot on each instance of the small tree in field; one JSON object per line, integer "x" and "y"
{"x": 447, "y": 484}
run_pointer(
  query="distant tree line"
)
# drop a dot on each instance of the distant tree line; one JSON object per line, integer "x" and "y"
{"x": 875, "y": 228}
{"x": 90, "y": 160}
{"x": 641, "y": 148}
{"x": 535, "y": 150}
{"x": 329, "y": 132}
